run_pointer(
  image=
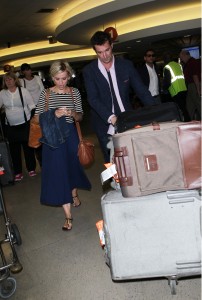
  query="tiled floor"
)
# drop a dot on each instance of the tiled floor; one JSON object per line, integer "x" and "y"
{"x": 71, "y": 265}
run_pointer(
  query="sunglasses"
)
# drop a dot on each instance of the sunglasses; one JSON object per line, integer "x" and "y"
{"x": 151, "y": 55}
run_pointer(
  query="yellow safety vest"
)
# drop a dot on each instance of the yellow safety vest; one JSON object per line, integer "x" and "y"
{"x": 177, "y": 78}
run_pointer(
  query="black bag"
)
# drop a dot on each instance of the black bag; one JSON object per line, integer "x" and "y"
{"x": 164, "y": 112}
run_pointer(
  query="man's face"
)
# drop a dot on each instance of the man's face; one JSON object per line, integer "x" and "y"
{"x": 104, "y": 52}
{"x": 149, "y": 57}
{"x": 27, "y": 72}
{"x": 183, "y": 57}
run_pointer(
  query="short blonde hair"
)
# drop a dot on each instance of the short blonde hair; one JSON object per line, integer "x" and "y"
{"x": 10, "y": 75}
{"x": 59, "y": 67}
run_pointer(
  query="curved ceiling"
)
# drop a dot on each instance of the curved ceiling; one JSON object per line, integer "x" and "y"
{"x": 71, "y": 24}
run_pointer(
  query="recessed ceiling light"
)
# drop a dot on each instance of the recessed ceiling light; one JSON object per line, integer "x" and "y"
{"x": 138, "y": 41}
{"x": 188, "y": 35}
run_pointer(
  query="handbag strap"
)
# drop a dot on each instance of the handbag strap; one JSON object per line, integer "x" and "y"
{"x": 79, "y": 131}
{"x": 76, "y": 122}
{"x": 47, "y": 99}
{"x": 21, "y": 97}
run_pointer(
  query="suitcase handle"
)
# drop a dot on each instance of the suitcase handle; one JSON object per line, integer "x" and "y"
{"x": 183, "y": 194}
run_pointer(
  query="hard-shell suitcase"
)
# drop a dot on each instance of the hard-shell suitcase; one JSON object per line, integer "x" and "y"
{"x": 158, "y": 157}
{"x": 158, "y": 235}
{"x": 164, "y": 112}
{"x": 6, "y": 163}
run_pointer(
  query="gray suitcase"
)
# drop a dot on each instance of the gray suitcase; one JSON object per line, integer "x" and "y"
{"x": 154, "y": 236}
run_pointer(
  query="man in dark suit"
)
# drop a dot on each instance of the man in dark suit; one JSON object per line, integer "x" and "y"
{"x": 108, "y": 81}
{"x": 149, "y": 75}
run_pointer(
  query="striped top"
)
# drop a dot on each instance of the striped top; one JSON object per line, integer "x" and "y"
{"x": 61, "y": 100}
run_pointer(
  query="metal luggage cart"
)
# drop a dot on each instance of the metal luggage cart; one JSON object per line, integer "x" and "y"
{"x": 10, "y": 264}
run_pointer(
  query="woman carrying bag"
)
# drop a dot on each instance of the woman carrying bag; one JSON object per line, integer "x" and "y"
{"x": 62, "y": 173}
{"x": 18, "y": 105}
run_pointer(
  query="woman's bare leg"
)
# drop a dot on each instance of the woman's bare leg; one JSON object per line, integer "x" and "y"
{"x": 68, "y": 217}
{"x": 76, "y": 201}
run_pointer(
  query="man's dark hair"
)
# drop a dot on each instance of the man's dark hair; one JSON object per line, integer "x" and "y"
{"x": 25, "y": 66}
{"x": 99, "y": 38}
{"x": 167, "y": 57}
{"x": 149, "y": 50}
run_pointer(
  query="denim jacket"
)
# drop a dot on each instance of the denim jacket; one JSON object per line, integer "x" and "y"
{"x": 54, "y": 130}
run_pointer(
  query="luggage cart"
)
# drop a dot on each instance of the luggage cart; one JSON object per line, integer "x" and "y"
{"x": 11, "y": 265}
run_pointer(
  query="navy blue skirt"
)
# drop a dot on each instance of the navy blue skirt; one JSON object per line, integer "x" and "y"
{"x": 62, "y": 171}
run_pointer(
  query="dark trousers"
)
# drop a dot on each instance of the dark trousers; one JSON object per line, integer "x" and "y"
{"x": 16, "y": 154}
{"x": 180, "y": 99}
{"x": 38, "y": 154}
{"x": 18, "y": 140}
{"x": 103, "y": 141}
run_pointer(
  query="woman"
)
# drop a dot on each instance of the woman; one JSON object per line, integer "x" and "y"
{"x": 18, "y": 105}
{"x": 62, "y": 173}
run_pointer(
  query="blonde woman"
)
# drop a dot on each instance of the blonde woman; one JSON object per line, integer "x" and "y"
{"x": 62, "y": 173}
{"x": 18, "y": 104}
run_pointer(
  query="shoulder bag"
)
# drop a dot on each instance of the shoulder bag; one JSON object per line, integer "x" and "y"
{"x": 35, "y": 132}
{"x": 86, "y": 149}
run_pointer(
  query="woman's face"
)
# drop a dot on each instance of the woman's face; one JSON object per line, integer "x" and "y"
{"x": 60, "y": 80}
{"x": 10, "y": 82}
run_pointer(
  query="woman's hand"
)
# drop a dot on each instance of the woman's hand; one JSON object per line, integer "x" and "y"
{"x": 63, "y": 111}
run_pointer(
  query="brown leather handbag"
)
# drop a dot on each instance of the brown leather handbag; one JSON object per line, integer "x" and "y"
{"x": 35, "y": 132}
{"x": 86, "y": 149}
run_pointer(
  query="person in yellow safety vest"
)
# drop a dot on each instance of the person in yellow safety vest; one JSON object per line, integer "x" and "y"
{"x": 174, "y": 82}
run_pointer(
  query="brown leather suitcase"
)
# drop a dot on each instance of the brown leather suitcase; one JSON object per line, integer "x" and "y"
{"x": 158, "y": 157}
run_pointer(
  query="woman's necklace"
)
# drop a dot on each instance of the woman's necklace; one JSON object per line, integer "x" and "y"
{"x": 60, "y": 91}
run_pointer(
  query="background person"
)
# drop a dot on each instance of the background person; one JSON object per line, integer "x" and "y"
{"x": 35, "y": 86}
{"x": 108, "y": 81}
{"x": 62, "y": 172}
{"x": 174, "y": 82}
{"x": 150, "y": 76}
{"x": 18, "y": 113}
{"x": 192, "y": 74}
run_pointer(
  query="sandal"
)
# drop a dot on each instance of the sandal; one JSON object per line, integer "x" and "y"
{"x": 68, "y": 224}
{"x": 76, "y": 203}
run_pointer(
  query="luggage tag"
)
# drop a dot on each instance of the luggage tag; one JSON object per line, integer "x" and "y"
{"x": 100, "y": 230}
{"x": 109, "y": 172}
{"x": 1, "y": 170}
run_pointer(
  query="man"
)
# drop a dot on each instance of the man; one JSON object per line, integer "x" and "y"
{"x": 31, "y": 82}
{"x": 192, "y": 73}
{"x": 108, "y": 80}
{"x": 174, "y": 82}
{"x": 150, "y": 76}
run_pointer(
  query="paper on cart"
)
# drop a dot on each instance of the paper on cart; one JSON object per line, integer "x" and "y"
{"x": 108, "y": 173}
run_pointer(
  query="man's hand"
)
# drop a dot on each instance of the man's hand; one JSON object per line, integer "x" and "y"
{"x": 113, "y": 120}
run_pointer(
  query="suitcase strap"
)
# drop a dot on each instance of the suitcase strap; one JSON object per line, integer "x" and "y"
{"x": 122, "y": 163}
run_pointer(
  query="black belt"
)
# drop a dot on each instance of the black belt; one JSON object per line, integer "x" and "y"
{"x": 155, "y": 96}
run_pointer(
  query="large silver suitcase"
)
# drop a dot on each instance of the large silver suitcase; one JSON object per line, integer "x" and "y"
{"x": 154, "y": 236}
